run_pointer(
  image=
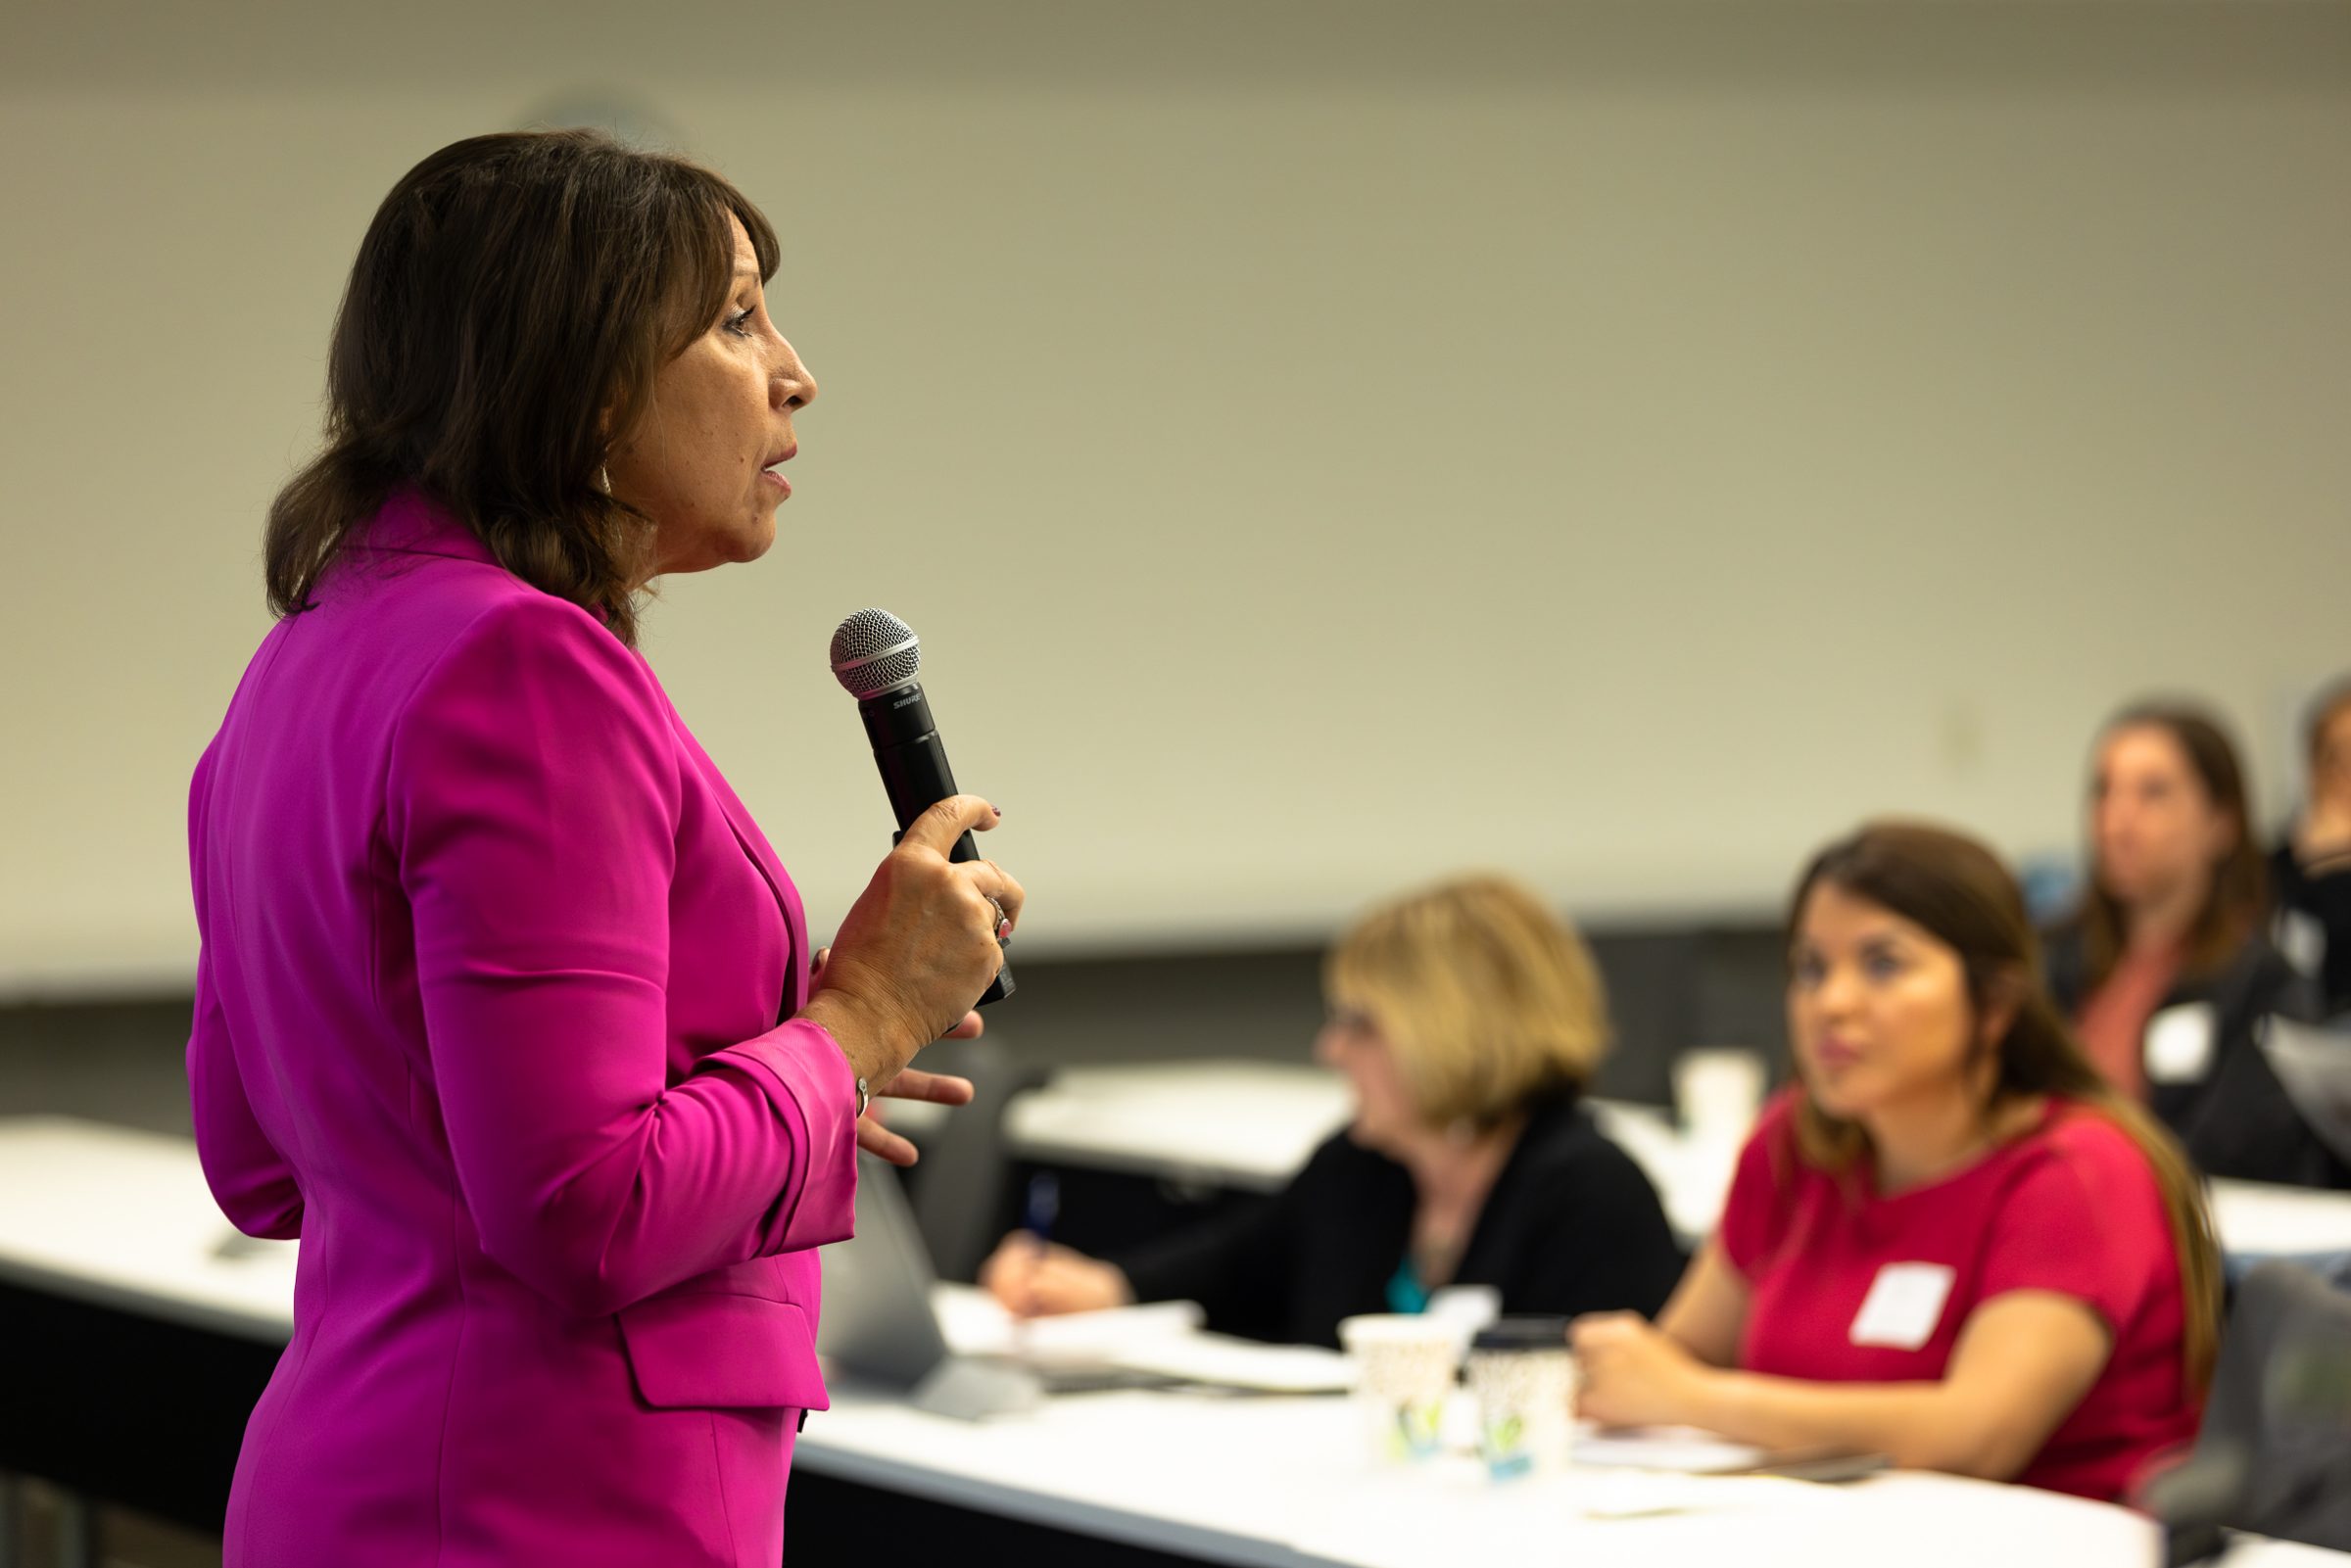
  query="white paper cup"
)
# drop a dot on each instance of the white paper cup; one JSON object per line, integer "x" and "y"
{"x": 1404, "y": 1367}
{"x": 1719, "y": 1093}
{"x": 1523, "y": 1377}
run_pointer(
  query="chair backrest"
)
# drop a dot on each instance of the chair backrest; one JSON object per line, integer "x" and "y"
{"x": 959, "y": 1187}
{"x": 2274, "y": 1451}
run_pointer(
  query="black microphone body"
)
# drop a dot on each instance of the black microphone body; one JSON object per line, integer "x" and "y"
{"x": 913, "y": 762}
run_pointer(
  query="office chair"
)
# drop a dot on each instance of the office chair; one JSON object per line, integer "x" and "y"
{"x": 2276, "y": 1445}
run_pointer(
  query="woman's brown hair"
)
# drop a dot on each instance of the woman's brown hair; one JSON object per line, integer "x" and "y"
{"x": 2238, "y": 899}
{"x": 511, "y": 304}
{"x": 1956, "y": 890}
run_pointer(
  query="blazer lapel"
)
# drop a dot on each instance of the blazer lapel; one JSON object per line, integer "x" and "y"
{"x": 762, "y": 855}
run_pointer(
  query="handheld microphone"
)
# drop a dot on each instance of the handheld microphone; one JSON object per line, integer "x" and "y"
{"x": 875, "y": 658}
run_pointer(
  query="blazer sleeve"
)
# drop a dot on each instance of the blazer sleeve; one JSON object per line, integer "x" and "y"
{"x": 532, "y": 804}
{"x": 1235, "y": 1266}
{"x": 2238, "y": 1120}
{"x": 251, "y": 1180}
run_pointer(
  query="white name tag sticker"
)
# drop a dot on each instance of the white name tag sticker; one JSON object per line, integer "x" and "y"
{"x": 1903, "y": 1305}
{"x": 2177, "y": 1045}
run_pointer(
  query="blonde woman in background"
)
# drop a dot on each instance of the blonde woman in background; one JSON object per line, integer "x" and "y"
{"x": 1468, "y": 1020}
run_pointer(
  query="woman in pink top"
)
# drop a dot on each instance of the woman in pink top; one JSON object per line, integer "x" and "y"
{"x": 1952, "y": 1243}
{"x": 505, "y": 1006}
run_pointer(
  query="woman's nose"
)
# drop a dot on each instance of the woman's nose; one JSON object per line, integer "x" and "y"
{"x": 793, "y": 387}
{"x": 1836, "y": 994}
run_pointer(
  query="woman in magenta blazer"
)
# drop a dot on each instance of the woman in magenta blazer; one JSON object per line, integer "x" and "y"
{"x": 505, "y": 1006}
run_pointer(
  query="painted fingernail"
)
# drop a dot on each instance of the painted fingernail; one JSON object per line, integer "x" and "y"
{"x": 998, "y": 810}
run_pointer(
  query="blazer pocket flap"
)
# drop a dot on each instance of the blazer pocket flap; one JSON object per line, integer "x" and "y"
{"x": 722, "y": 1351}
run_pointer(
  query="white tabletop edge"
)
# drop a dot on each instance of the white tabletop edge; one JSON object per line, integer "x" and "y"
{"x": 1159, "y": 1531}
{"x": 264, "y": 1328}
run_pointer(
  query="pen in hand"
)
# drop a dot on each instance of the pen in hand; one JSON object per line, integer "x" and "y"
{"x": 1043, "y": 1209}
{"x": 1037, "y": 1214}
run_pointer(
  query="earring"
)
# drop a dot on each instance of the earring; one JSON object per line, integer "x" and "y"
{"x": 604, "y": 481}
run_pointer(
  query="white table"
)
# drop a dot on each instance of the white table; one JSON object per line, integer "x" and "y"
{"x": 123, "y": 1219}
{"x": 1280, "y": 1482}
{"x": 2256, "y": 1220}
{"x": 1243, "y": 1124}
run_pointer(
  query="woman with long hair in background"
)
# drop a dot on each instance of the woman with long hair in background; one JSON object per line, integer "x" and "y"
{"x": 2167, "y": 967}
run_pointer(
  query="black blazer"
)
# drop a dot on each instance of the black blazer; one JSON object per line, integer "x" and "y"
{"x": 2322, "y": 894}
{"x": 1571, "y": 1226}
{"x": 2236, "y": 1119}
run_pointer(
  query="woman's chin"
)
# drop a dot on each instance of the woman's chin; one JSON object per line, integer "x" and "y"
{"x": 754, "y": 541}
{"x": 1837, "y": 1096}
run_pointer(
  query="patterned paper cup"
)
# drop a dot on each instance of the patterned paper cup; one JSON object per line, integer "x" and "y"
{"x": 1523, "y": 1377}
{"x": 1404, "y": 1367}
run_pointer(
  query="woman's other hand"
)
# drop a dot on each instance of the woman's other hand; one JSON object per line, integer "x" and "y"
{"x": 938, "y": 1088}
{"x": 1631, "y": 1373}
{"x": 920, "y": 943}
{"x": 911, "y": 1083}
{"x": 1042, "y": 1279}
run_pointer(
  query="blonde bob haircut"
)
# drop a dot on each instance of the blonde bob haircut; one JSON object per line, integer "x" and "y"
{"x": 1485, "y": 997}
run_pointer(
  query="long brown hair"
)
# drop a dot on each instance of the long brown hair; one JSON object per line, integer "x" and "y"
{"x": 2239, "y": 898}
{"x": 509, "y": 307}
{"x": 1957, "y": 891}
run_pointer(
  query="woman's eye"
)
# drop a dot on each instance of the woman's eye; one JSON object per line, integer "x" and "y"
{"x": 740, "y": 323}
{"x": 1883, "y": 965}
{"x": 1808, "y": 972}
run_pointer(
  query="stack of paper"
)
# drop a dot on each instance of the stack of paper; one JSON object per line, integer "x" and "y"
{"x": 1163, "y": 1338}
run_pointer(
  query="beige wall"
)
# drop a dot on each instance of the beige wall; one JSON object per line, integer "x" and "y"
{"x": 1623, "y": 444}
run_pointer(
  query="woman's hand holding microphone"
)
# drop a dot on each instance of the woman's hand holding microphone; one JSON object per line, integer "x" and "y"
{"x": 921, "y": 943}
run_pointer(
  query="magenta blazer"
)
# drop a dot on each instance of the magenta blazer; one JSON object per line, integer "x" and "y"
{"x": 487, "y": 1015}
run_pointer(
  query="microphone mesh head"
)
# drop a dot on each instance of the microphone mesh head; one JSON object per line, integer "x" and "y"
{"x": 873, "y": 652}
